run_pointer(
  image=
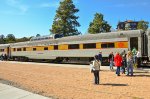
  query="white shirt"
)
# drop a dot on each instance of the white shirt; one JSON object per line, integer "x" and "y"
{"x": 138, "y": 54}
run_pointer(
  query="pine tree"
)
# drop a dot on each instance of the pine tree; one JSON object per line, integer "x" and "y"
{"x": 142, "y": 25}
{"x": 99, "y": 25}
{"x": 65, "y": 21}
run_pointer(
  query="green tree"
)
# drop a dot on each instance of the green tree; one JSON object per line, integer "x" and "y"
{"x": 2, "y": 39}
{"x": 99, "y": 25}
{"x": 10, "y": 38}
{"x": 22, "y": 39}
{"x": 38, "y": 35}
{"x": 65, "y": 21}
{"x": 143, "y": 25}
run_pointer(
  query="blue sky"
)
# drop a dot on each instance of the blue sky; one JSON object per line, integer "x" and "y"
{"x": 25, "y": 18}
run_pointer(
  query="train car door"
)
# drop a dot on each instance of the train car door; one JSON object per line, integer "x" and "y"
{"x": 8, "y": 51}
{"x": 133, "y": 43}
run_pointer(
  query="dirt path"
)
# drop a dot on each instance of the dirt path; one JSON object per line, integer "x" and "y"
{"x": 74, "y": 83}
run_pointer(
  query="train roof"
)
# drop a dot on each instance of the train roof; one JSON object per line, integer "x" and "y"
{"x": 4, "y": 45}
{"x": 81, "y": 38}
{"x": 109, "y": 35}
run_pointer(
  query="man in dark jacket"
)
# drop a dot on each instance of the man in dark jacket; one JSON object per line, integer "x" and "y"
{"x": 100, "y": 56}
{"x": 111, "y": 60}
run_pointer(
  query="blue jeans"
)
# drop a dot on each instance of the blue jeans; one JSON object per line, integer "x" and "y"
{"x": 111, "y": 65}
{"x": 118, "y": 71}
{"x": 134, "y": 59}
{"x": 123, "y": 66}
{"x": 129, "y": 68}
{"x": 96, "y": 76}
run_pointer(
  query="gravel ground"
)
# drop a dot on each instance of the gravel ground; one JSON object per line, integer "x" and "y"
{"x": 74, "y": 83}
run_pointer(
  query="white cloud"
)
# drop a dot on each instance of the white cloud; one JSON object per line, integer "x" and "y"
{"x": 23, "y": 8}
{"x": 16, "y": 5}
{"x": 11, "y": 2}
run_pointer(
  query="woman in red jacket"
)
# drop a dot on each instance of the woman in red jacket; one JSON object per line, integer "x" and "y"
{"x": 118, "y": 63}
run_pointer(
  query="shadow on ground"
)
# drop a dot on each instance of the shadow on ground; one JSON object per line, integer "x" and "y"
{"x": 111, "y": 84}
{"x": 142, "y": 75}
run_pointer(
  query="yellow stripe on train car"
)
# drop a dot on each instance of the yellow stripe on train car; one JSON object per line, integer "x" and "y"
{"x": 121, "y": 44}
{"x": 63, "y": 47}
{"x": 81, "y": 46}
{"x": 98, "y": 45}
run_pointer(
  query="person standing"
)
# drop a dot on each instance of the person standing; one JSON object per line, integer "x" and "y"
{"x": 5, "y": 57}
{"x": 138, "y": 58}
{"x": 96, "y": 69}
{"x": 124, "y": 62}
{"x": 129, "y": 63}
{"x": 100, "y": 57}
{"x": 134, "y": 52}
{"x": 2, "y": 57}
{"x": 111, "y": 60}
{"x": 118, "y": 63}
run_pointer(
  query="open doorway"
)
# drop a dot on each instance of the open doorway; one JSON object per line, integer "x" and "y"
{"x": 134, "y": 43}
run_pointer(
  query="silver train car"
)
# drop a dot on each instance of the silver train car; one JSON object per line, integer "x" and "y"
{"x": 80, "y": 48}
{"x": 5, "y": 49}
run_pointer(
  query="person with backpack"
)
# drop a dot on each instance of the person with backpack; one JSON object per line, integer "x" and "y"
{"x": 95, "y": 69}
{"x": 100, "y": 57}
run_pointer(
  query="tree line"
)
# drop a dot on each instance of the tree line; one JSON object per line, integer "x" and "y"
{"x": 65, "y": 23}
{"x": 10, "y": 38}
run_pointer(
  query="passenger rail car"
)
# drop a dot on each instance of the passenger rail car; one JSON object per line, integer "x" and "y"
{"x": 5, "y": 49}
{"x": 80, "y": 48}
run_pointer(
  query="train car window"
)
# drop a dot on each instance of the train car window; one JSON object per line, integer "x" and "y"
{"x": 111, "y": 45}
{"x": 89, "y": 46}
{"x": 24, "y": 49}
{"x": 18, "y": 49}
{"x": 34, "y": 49}
{"x": 108, "y": 45}
{"x": 1, "y": 50}
{"x": 45, "y": 48}
{"x": 103, "y": 45}
{"x": 55, "y": 47}
{"x": 14, "y": 49}
{"x": 73, "y": 46}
